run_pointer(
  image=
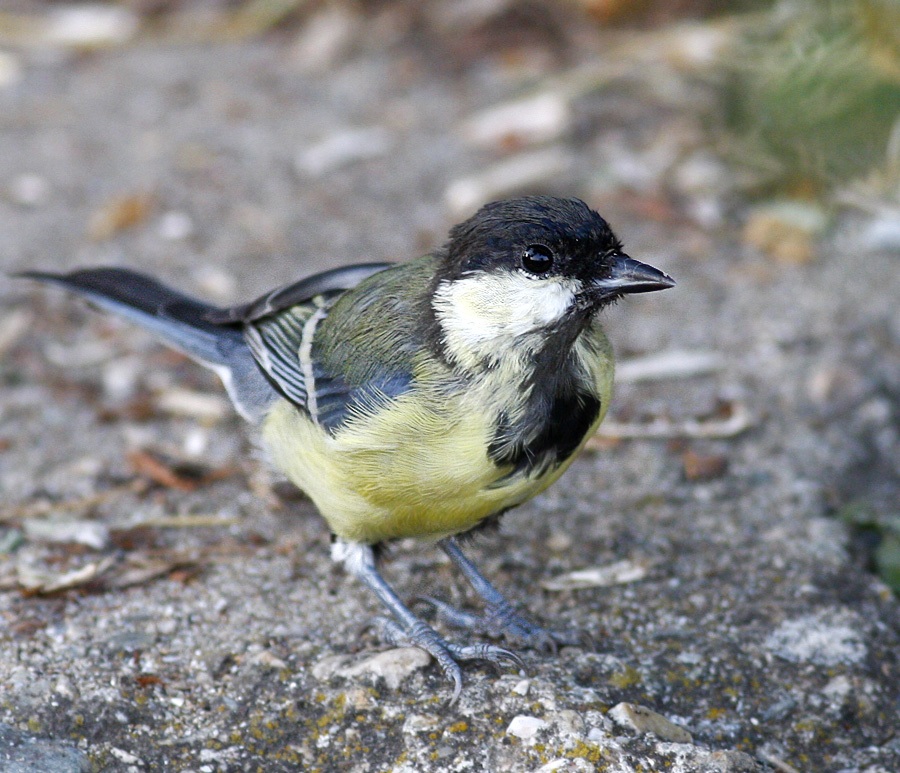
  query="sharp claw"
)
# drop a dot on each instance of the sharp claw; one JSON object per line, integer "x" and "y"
{"x": 457, "y": 690}
{"x": 489, "y": 653}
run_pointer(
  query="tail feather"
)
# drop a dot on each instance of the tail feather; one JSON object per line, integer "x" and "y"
{"x": 181, "y": 321}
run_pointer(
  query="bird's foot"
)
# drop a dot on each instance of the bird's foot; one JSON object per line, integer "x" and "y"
{"x": 501, "y": 620}
{"x": 447, "y": 654}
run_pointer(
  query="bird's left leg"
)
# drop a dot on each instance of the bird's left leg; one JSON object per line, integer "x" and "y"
{"x": 500, "y": 618}
{"x": 408, "y": 630}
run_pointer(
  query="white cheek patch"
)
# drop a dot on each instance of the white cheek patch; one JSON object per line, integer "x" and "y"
{"x": 485, "y": 308}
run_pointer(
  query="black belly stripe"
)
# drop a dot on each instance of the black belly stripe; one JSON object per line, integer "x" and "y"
{"x": 547, "y": 435}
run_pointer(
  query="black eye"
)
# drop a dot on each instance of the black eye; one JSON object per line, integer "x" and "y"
{"x": 537, "y": 259}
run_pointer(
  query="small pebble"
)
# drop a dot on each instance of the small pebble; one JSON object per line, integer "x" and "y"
{"x": 525, "y": 727}
{"x": 567, "y": 765}
{"x": 420, "y": 723}
{"x": 10, "y": 69}
{"x": 521, "y": 688}
{"x": 266, "y": 659}
{"x": 215, "y": 281}
{"x": 393, "y": 666}
{"x": 342, "y": 149}
{"x": 643, "y": 720}
{"x": 513, "y": 175}
{"x": 28, "y": 190}
{"x": 882, "y": 233}
{"x": 325, "y": 37}
{"x": 540, "y": 118}
{"x": 203, "y": 406}
{"x": 127, "y": 757}
{"x": 175, "y": 226}
{"x": 559, "y": 542}
{"x": 89, "y": 25}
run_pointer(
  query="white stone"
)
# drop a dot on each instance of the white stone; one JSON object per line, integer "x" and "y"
{"x": 393, "y": 665}
{"x": 525, "y": 727}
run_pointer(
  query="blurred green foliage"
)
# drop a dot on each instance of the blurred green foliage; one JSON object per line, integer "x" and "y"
{"x": 880, "y": 536}
{"x": 812, "y": 92}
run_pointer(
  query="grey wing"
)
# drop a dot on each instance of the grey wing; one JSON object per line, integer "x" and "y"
{"x": 281, "y": 344}
{"x": 280, "y": 328}
{"x": 326, "y": 283}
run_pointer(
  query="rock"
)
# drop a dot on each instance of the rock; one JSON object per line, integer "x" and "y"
{"x": 829, "y": 638}
{"x": 24, "y": 753}
{"x": 522, "y": 687}
{"x": 525, "y": 727}
{"x": 393, "y": 665}
{"x": 566, "y": 765}
{"x": 643, "y": 720}
{"x": 266, "y": 659}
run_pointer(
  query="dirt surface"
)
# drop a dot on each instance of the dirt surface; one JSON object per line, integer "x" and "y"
{"x": 194, "y": 621}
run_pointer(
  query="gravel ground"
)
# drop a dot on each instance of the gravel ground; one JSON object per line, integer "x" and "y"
{"x": 192, "y": 620}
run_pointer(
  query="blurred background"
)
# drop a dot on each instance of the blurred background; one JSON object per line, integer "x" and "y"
{"x": 772, "y": 118}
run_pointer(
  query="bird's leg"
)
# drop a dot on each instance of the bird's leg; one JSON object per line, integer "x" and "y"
{"x": 407, "y": 629}
{"x": 500, "y": 617}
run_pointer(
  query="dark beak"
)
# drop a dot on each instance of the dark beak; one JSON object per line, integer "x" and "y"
{"x": 628, "y": 275}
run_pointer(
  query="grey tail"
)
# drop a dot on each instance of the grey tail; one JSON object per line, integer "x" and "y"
{"x": 180, "y": 321}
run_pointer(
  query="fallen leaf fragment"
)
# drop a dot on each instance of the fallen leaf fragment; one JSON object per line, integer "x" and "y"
{"x": 619, "y": 573}
{"x": 145, "y": 464}
{"x": 737, "y": 421}
{"x": 119, "y": 214}
{"x": 666, "y": 365}
{"x": 94, "y": 534}
{"x": 38, "y": 582}
{"x": 700, "y": 467}
{"x": 786, "y": 230}
{"x": 147, "y": 680}
{"x": 140, "y": 570}
{"x": 175, "y": 475}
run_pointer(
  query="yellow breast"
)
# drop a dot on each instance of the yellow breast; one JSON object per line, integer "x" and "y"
{"x": 419, "y": 467}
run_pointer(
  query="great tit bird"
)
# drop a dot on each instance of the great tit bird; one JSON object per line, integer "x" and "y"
{"x": 422, "y": 399}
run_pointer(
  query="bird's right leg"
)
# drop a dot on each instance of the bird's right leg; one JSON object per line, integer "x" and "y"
{"x": 406, "y": 629}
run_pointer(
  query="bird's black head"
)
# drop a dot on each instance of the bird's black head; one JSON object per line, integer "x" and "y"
{"x": 549, "y": 240}
{"x": 530, "y": 273}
